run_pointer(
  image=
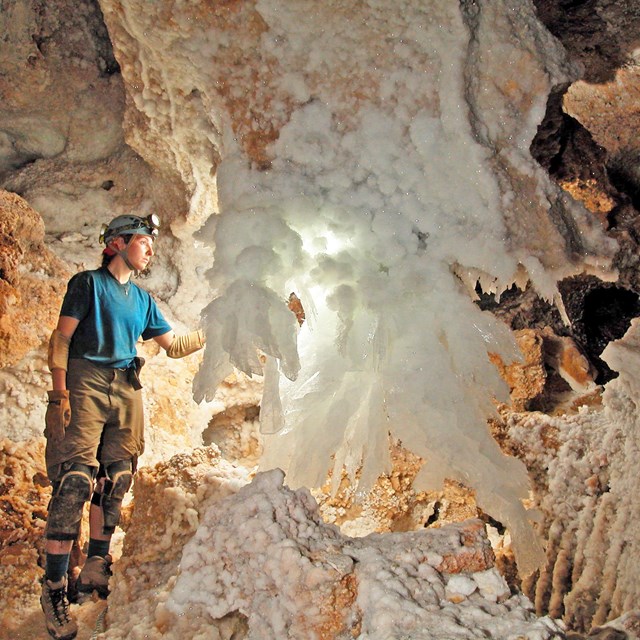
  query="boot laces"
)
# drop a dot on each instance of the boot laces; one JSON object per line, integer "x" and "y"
{"x": 60, "y": 605}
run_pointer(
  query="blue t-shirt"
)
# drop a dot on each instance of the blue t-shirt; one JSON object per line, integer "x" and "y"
{"x": 112, "y": 317}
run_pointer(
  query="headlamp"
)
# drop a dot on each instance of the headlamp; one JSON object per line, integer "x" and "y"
{"x": 153, "y": 221}
{"x": 133, "y": 225}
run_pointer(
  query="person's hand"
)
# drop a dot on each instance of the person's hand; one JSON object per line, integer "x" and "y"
{"x": 58, "y": 415}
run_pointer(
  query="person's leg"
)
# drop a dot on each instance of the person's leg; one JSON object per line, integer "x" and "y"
{"x": 71, "y": 467}
{"x": 121, "y": 444}
{"x": 70, "y": 492}
{"x": 99, "y": 542}
{"x": 71, "y": 489}
{"x": 72, "y": 463}
{"x": 57, "y": 560}
{"x": 111, "y": 487}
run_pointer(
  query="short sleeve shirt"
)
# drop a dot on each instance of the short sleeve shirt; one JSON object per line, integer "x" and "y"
{"x": 112, "y": 317}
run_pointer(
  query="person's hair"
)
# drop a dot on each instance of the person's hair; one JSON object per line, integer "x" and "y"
{"x": 106, "y": 259}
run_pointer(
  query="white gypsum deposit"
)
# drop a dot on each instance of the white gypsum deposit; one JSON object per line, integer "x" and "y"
{"x": 392, "y": 184}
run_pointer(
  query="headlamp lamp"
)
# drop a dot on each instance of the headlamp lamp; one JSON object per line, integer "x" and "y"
{"x": 152, "y": 221}
{"x": 103, "y": 230}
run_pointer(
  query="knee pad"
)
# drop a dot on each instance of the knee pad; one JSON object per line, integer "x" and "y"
{"x": 70, "y": 492}
{"x": 118, "y": 479}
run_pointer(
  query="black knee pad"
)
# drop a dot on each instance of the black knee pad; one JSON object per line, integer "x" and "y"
{"x": 118, "y": 479}
{"x": 70, "y": 492}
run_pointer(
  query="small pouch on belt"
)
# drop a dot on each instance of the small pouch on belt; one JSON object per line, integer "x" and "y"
{"x": 134, "y": 373}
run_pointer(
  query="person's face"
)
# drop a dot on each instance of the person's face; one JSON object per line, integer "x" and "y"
{"x": 139, "y": 251}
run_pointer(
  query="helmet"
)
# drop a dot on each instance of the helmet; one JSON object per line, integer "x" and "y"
{"x": 130, "y": 225}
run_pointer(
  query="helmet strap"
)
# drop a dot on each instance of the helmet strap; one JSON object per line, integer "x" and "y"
{"x": 123, "y": 254}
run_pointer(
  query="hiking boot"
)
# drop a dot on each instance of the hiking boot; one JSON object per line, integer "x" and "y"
{"x": 95, "y": 576}
{"x": 60, "y": 623}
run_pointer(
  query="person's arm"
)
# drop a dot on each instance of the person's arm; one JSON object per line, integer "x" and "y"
{"x": 59, "y": 351}
{"x": 165, "y": 339}
{"x": 181, "y": 346}
{"x": 58, "y": 413}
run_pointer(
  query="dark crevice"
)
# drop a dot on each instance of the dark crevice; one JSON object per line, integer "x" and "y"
{"x": 106, "y": 60}
{"x": 496, "y": 524}
{"x": 625, "y": 177}
{"x": 522, "y": 309}
{"x": 433, "y": 518}
{"x": 600, "y": 312}
{"x": 565, "y": 148}
{"x": 40, "y": 43}
{"x": 584, "y": 29}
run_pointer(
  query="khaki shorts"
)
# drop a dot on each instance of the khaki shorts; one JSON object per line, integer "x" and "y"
{"x": 107, "y": 419}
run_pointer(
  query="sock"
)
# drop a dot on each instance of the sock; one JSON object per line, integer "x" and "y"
{"x": 57, "y": 565}
{"x": 98, "y": 548}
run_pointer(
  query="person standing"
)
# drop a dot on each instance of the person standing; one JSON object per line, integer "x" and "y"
{"x": 94, "y": 419}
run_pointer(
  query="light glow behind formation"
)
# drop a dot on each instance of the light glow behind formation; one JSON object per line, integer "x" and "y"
{"x": 377, "y": 191}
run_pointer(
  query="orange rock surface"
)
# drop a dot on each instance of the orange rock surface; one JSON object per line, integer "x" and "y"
{"x": 32, "y": 280}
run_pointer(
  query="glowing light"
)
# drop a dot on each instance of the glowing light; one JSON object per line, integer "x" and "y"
{"x": 327, "y": 242}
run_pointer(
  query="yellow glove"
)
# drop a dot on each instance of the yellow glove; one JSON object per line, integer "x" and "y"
{"x": 58, "y": 415}
{"x": 186, "y": 345}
